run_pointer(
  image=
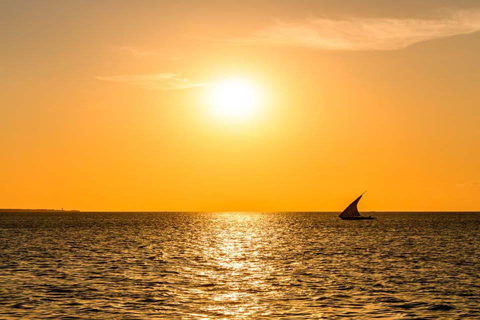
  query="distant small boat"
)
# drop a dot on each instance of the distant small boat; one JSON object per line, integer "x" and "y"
{"x": 351, "y": 212}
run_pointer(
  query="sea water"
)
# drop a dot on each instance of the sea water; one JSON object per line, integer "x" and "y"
{"x": 239, "y": 266}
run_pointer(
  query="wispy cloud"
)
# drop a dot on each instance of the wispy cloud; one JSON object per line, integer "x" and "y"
{"x": 134, "y": 51}
{"x": 137, "y": 52}
{"x": 162, "y": 81}
{"x": 366, "y": 33}
{"x": 470, "y": 184}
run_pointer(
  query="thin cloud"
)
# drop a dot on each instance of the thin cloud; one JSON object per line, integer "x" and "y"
{"x": 366, "y": 33}
{"x": 137, "y": 52}
{"x": 470, "y": 184}
{"x": 134, "y": 51}
{"x": 162, "y": 81}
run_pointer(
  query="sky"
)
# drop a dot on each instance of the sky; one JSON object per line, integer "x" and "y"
{"x": 104, "y": 105}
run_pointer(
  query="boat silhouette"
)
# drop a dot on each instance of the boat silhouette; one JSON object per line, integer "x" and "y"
{"x": 351, "y": 212}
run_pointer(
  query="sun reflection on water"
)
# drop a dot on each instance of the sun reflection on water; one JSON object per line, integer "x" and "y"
{"x": 235, "y": 267}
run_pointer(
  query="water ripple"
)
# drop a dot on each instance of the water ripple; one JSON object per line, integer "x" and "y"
{"x": 239, "y": 266}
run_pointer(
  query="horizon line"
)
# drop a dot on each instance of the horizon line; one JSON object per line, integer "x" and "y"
{"x": 17, "y": 210}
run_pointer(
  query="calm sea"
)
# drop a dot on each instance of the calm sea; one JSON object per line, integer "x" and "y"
{"x": 239, "y": 266}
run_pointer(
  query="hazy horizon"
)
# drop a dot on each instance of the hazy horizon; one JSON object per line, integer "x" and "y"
{"x": 21, "y": 210}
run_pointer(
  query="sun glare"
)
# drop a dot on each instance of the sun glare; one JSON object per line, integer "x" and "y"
{"x": 234, "y": 99}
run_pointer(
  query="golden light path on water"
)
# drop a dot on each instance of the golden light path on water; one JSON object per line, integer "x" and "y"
{"x": 236, "y": 251}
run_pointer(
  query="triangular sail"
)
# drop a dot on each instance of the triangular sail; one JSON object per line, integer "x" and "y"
{"x": 351, "y": 210}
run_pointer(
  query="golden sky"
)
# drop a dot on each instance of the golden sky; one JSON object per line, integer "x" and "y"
{"x": 107, "y": 105}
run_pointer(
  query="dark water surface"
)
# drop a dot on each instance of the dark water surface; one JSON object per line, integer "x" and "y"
{"x": 239, "y": 266}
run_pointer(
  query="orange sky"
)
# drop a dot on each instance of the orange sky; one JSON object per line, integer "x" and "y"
{"x": 103, "y": 105}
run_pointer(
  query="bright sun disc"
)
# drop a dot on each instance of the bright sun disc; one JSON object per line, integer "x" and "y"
{"x": 234, "y": 99}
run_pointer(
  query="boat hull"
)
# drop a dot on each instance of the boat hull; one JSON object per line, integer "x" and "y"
{"x": 357, "y": 218}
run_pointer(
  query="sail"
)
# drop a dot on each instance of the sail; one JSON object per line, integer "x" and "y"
{"x": 351, "y": 210}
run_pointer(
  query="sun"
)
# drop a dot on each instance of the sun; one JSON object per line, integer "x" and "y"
{"x": 234, "y": 99}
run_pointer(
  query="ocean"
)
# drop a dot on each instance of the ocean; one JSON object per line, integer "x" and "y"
{"x": 239, "y": 266}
